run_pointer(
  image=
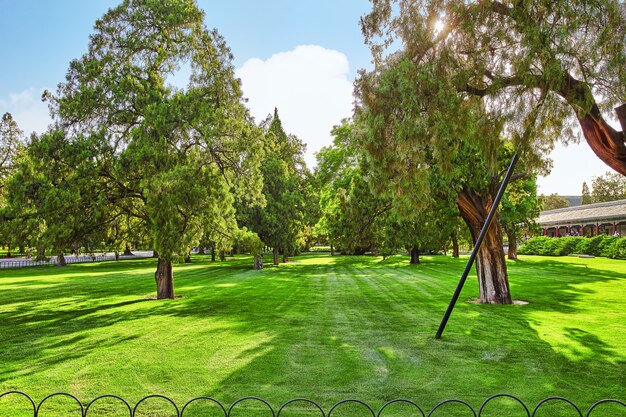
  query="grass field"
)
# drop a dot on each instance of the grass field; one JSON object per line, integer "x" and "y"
{"x": 321, "y": 327}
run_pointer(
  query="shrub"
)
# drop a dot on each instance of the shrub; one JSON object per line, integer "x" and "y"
{"x": 601, "y": 245}
{"x": 617, "y": 249}
{"x": 534, "y": 245}
{"x": 564, "y": 246}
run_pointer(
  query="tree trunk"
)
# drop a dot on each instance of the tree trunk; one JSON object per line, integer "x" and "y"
{"x": 188, "y": 258}
{"x": 201, "y": 250}
{"x": 285, "y": 257}
{"x": 258, "y": 262}
{"x": 212, "y": 253}
{"x": 61, "y": 260}
{"x": 415, "y": 255}
{"x": 155, "y": 254}
{"x": 164, "y": 278}
{"x": 455, "y": 244}
{"x": 607, "y": 143}
{"x": 275, "y": 252}
{"x": 493, "y": 281}
{"x": 127, "y": 251}
{"x": 222, "y": 255}
{"x": 9, "y": 251}
{"x": 332, "y": 250}
{"x": 512, "y": 237}
{"x": 117, "y": 256}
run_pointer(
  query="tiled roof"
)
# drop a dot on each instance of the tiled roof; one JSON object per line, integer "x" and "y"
{"x": 589, "y": 213}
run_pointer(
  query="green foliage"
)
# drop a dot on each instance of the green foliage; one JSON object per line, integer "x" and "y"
{"x": 608, "y": 187}
{"x": 535, "y": 64}
{"x": 281, "y": 222}
{"x": 11, "y": 143}
{"x": 13, "y": 232}
{"x": 353, "y": 217}
{"x": 617, "y": 250}
{"x": 171, "y": 158}
{"x": 601, "y": 245}
{"x": 585, "y": 195}
{"x": 552, "y": 202}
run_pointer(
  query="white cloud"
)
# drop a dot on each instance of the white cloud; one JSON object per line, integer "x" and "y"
{"x": 27, "y": 109}
{"x": 310, "y": 87}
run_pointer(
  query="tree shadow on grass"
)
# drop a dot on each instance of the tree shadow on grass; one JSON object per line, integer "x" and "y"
{"x": 351, "y": 327}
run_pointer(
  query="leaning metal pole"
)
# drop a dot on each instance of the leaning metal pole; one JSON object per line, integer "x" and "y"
{"x": 477, "y": 245}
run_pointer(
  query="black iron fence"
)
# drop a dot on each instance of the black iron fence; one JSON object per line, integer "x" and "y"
{"x": 491, "y": 406}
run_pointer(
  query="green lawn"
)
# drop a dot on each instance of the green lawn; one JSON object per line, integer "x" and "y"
{"x": 319, "y": 327}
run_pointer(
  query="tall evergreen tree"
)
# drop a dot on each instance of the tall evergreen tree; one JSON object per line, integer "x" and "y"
{"x": 170, "y": 157}
{"x": 586, "y": 195}
{"x": 280, "y": 221}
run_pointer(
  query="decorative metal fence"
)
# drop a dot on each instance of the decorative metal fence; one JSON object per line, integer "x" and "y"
{"x": 491, "y": 406}
{"x": 21, "y": 263}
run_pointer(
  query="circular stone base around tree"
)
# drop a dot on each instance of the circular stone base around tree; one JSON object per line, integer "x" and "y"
{"x": 515, "y": 302}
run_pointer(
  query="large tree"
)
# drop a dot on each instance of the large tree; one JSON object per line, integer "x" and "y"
{"x": 55, "y": 188}
{"x": 279, "y": 222}
{"x": 11, "y": 146}
{"x": 429, "y": 143}
{"x": 535, "y": 64}
{"x": 168, "y": 156}
{"x": 353, "y": 216}
{"x": 608, "y": 187}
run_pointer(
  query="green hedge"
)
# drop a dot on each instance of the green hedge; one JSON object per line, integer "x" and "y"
{"x": 601, "y": 245}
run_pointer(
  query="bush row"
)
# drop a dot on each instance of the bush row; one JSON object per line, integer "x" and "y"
{"x": 601, "y": 245}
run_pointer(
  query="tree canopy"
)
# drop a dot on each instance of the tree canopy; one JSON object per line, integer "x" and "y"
{"x": 171, "y": 157}
{"x": 608, "y": 187}
{"x": 537, "y": 66}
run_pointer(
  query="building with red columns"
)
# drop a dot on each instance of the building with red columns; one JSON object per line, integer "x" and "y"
{"x": 588, "y": 220}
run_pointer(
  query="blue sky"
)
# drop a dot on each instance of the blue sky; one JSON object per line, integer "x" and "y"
{"x": 298, "y": 55}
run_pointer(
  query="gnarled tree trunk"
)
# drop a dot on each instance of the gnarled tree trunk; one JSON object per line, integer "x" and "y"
{"x": 607, "y": 143}
{"x": 164, "y": 278}
{"x": 61, "y": 260}
{"x": 493, "y": 282}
